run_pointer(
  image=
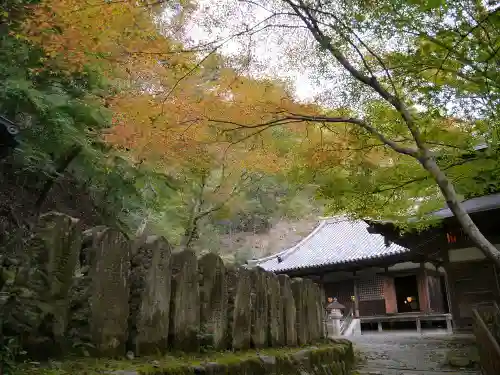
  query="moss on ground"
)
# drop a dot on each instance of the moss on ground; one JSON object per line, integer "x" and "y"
{"x": 184, "y": 364}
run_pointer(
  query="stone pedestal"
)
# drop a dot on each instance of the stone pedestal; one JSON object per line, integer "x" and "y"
{"x": 335, "y": 317}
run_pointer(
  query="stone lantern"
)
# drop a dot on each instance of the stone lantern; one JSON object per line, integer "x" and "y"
{"x": 334, "y": 314}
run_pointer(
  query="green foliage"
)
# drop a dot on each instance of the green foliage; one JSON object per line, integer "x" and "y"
{"x": 19, "y": 309}
{"x": 10, "y": 354}
{"x": 57, "y": 111}
{"x": 441, "y": 60}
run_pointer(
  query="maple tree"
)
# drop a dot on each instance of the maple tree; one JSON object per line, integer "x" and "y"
{"x": 180, "y": 136}
{"x": 62, "y": 111}
{"x": 419, "y": 79}
{"x": 174, "y": 164}
{"x": 119, "y": 36}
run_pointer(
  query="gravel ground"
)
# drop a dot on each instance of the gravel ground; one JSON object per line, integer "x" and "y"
{"x": 409, "y": 353}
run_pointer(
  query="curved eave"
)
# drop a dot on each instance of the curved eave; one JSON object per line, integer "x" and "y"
{"x": 350, "y": 264}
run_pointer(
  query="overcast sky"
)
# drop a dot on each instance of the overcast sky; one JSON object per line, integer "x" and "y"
{"x": 273, "y": 53}
{"x": 283, "y": 53}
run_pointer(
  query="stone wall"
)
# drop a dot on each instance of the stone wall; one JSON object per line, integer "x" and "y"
{"x": 108, "y": 295}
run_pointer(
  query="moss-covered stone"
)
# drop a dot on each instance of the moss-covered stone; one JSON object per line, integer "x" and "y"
{"x": 310, "y": 310}
{"x": 320, "y": 312}
{"x": 150, "y": 284}
{"x": 185, "y": 302}
{"x": 242, "y": 315}
{"x": 299, "y": 296}
{"x": 231, "y": 287}
{"x": 275, "y": 308}
{"x": 100, "y": 298}
{"x": 289, "y": 310}
{"x": 333, "y": 358}
{"x": 52, "y": 259}
{"x": 260, "y": 309}
{"x": 213, "y": 301}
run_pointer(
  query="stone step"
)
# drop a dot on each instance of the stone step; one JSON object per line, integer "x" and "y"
{"x": 402, "y": 371}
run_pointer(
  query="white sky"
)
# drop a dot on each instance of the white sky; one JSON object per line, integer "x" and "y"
{"x": 277, "y": 53}
{"x": 266, "y": 52}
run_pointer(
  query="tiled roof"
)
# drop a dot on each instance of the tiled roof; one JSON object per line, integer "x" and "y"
{"x": 334, "y": 241}
{"x": 484, "y": 203}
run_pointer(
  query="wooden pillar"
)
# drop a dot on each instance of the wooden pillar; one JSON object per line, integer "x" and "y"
{"x": 356, "y": 298}
{"x": 450, "y": 286}
{"x": 423, "y": 289}
{"x": 391, "y": 303}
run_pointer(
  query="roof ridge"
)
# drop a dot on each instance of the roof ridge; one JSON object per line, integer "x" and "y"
{"x": 304, "y": 240}
{"x": 340, "y": 219}
{"x": 338, "y": 239}
{"x": 254, "y": 262}
{"x": 284, "y": 253}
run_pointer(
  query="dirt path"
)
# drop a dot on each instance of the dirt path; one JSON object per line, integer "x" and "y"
{"x": 408, "y": 353}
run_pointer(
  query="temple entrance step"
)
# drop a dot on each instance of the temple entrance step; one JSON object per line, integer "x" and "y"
{"x": 409, "y": 353}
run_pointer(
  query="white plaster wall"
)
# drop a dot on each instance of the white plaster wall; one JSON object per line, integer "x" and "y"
{"x": 404, "y": 266}
{"x": 466, "y": 254}
{"x": 410, "y": 266}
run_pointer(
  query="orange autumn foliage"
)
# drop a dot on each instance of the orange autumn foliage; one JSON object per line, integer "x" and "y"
{"x": 75, "y": 33}
{"x": 167, "y": 113}
{"x": 182, "y": 131}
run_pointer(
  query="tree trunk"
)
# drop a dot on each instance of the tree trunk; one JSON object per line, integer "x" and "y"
{"x": 307, "y": 15}
{"x": 63, "y": 163}
{"x": 448, "y": 191}
{"x": 189, "y": 235}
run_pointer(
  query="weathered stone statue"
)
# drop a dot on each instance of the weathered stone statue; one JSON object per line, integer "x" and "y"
{"x": 213, "y": 301}
{"x": 150, "y": 284}
{"x": 185, "y": 299}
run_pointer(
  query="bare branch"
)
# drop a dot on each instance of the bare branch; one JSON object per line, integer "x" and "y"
{"x": 293, "y": 118}
{"x": 214, "y": 50}
{"x": 365, "y": 125}
{"x": 363, "y": 44}
{"x": 325, "y": 42}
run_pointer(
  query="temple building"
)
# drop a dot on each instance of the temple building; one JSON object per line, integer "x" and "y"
{"x": 471, "y": 279}
{"x": 433, "y": 277}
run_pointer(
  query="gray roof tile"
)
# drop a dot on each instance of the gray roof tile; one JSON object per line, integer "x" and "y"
{"x": 484, "y": 203}
{"x": 334, "y": 241}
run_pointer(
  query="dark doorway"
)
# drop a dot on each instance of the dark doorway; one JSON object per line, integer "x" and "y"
{"x": 407, "y": 293}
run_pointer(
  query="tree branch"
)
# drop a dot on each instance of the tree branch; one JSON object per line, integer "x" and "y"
{"x": 325, "y": 42}
{"x": 324, "y": 119}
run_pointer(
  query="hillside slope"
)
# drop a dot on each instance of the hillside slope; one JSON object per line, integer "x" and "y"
{"x": 241, "y": 246}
